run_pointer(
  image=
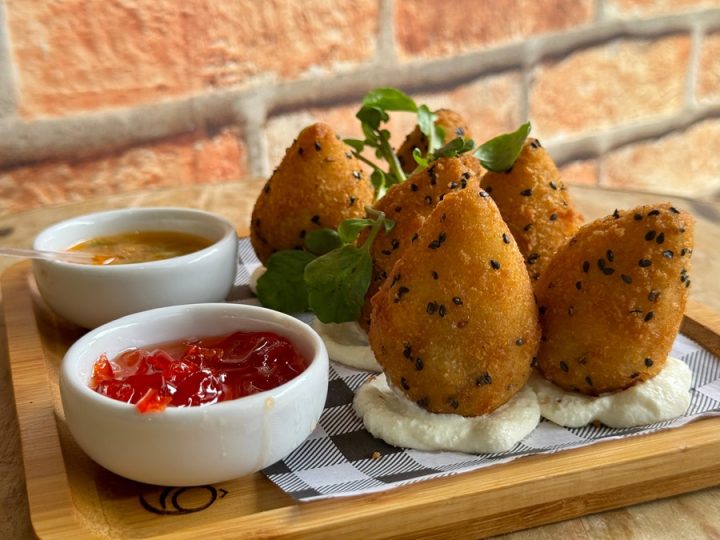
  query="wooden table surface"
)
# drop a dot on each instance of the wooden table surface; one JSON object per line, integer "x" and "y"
{"x": 692, "y": 515}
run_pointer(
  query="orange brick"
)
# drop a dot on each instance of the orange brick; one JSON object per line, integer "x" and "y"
{"x": 87, "y": 54}
{"x": 708, "y": 85}
{"x": 613, "y": 84}
{"x": 431, "y": 28}
{"x": 183, "y": 160}
{"x": 580, "y": 173}
{"x": 646, "y": 8}
{"x": 685, "y": 163}
{"x": 490, "y": 106}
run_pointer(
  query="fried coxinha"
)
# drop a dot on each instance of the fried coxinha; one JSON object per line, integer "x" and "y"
{"x": 460, "y": 236}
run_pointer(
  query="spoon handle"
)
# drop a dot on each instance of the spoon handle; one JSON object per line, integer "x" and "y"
{"x": 66, "y": 256}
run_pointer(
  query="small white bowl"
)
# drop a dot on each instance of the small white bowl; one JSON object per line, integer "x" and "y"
{"x": 91, "y": 295}
{"x": 187, "y": 446}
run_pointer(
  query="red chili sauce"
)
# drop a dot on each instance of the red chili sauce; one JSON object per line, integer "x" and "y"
{"x": 198, "y": 372}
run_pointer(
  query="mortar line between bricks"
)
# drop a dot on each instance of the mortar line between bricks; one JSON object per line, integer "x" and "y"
{"x": 27, "y": 142}
{"x": 8, "y": 91}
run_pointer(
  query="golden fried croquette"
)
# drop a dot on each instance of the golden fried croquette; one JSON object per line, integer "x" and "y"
{"x": 410, "y": 202}
{"x": 453, "y": 126}
{"x": 535, "y": 204}
{"x": 455, "y": 325}
{"x": 318, "y": 184}
{"x": 612, "y": 299}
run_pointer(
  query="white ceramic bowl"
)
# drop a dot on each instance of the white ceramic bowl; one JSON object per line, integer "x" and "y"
{"x": 91, "y": 295}
{"x": 192, "y": 445}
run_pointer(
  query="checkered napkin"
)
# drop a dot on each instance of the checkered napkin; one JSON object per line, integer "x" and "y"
{"x": 340, "y": 458}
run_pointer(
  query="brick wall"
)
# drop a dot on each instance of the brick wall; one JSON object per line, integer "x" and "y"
{"x": 109, "y": 96}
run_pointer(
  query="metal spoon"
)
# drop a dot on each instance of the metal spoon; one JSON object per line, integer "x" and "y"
{"x": 65, "y": 256}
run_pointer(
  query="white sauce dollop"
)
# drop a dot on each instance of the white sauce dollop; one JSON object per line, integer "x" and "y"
{"x": 665, "y": 396}
{"x": 347, "y": 343}
{"x": 252, "y": 281}
{"x": 400, "y": 422}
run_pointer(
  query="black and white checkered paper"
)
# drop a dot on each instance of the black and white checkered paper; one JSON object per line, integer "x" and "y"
{"x": 340, "y": 458}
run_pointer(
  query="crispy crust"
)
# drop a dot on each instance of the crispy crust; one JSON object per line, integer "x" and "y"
{"x": 451, "y": 122}
{"x": 612, "y": 299}
{"x": 318, "y": 183}
{"x": 455, "y": 324}
{"x": 535, "y": 204}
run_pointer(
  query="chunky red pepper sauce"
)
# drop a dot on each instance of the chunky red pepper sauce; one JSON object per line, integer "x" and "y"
{"x": 198, "y": 372}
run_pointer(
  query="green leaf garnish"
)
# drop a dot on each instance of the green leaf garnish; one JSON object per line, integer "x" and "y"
{"x": 349, "y": 230}
{"x": 389, "y": 99}
{"x": 337, "y": 283}
{"x": 454, "y": 148}
{"x": 322, "y": 241}
{"x": 499, "y": 154}
{"x": 434, "y": 133}
{"x": 282, "y": 286}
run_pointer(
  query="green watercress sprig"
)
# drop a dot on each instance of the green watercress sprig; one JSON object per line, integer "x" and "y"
{"x": 331, "y": 278}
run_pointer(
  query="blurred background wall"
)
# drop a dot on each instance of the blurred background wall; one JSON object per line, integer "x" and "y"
{"x": 112, "y": 96}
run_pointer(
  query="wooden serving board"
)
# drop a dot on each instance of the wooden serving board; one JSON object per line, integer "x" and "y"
{"x": 72, "y": 497}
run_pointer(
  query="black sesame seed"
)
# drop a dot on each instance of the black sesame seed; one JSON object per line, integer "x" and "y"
{"x": 301, "y": 150}
{"x": 532, "y": 258}
{"x": 616, "y": 214}
{"x": 668, "y": 254}
{"x": 266, "y": 189}
{"x": 610, "y": 255}
{"x": 601, "y": 264}
{"x": 485, "y": 193}
{"x": 483, "y": 379}
{"x": 495, "y": 265}
{"x": 637, "y": 217}
{"x": 404, "y": 383}
{"x": 578, "y": 285}
{"x": 535, "y": 143}
{"x": 683, "y": 252}
{"x": 553, "y": 217}
{"x": 634, "y": 375}
{"x": 649, "y": 316}
{"x": 586, "y": 266}
{"x": 398, "y": 208}
{"x": 407, "y": 350}
{"x": 348, "y": 155}
{"x": 542, "y": 310}
{"x": 423, "y": 402}
{"x": 608, "y": 271}
{"x": 438, "y": 242}
{"x": 627, "y": 279}
{"x": 534, "y": 361}
{"x": 526, "y": 192}
{"x": 653, "y": 296}
{"x": 386, "y": 252}
{"x": 395, "y": 243}
{"x": 453, "y": 185}
{"x": 315, "y": 219}
{"x": 654, "y": 213}
{"x": 650, "y": 235}
{"x": 454, "y": 403}
{"x": 674, "y": 210}
{"x": 527, "y": 227}
{"x": 644, "y": 263}
{"x": 442, "y": 310}
{"x": 588, "y": 380}
{"x": 564, "y": 366}
{"x": 419, "y": 364}
{"x": 428, "y": 199}
{"x": 505, "y": 238}
{"x": 357, "y": 175}
{"x": 687, "y": 284}
{"x": 402, "y": 291}
{"x": 414, "y": 237}
{"x": 648, "y": 362}
{"x": 457, "y": 300}
{"x": 431, "y": 307}
{"x": 660, "y": 238}
{"x": 413, "y": 187}
{"x": 317, "y": 146}
{"x": 553, "y": 185}
{"x": 520, "y": 342}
